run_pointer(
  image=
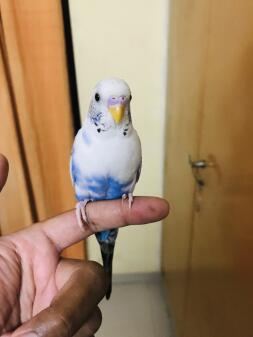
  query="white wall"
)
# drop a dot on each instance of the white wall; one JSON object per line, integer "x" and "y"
{"x": 128, "y": 39}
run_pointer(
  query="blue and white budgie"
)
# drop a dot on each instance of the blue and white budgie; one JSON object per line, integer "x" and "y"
{"x": 106, "y": 157}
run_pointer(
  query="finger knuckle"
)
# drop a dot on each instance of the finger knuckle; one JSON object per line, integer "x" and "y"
{"x": 97, "y": 270}
{"x": 95, "y": 321}
{"x": 98, "y": 318}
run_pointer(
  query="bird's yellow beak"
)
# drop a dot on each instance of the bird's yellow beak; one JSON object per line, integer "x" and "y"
{"x": 117, "y": 112}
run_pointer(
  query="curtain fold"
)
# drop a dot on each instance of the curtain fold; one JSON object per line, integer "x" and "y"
{"x": 34, "y": 72}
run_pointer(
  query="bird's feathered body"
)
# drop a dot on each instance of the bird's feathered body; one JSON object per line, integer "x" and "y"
{"x": 103, "y": 168}
{"x": 106, "y": 155}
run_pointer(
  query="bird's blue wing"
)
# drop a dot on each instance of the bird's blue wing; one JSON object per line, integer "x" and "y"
{"x": 79, "y": 181}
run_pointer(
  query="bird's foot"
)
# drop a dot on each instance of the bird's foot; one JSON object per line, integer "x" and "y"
{"x": 81, "y": 214}
{"x": 130, "y": 199}
{"x": 123, "y": 198}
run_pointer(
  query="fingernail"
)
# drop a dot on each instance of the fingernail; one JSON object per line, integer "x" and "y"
{"x": 28, "y": 334}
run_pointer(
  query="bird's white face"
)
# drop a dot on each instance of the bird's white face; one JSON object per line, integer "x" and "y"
{"x": 110, "y": 102}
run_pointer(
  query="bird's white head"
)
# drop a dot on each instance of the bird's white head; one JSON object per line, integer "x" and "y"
{"x": 110, "y": 102}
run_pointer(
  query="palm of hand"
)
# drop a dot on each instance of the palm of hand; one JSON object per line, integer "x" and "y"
{"x": 28, "y": 278}
{"x": 41, "y": 292}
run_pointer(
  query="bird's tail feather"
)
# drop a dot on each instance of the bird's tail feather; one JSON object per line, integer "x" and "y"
{"x": 107, "y": 250}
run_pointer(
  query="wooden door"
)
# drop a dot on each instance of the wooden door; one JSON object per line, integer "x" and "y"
{"x": 208, "y": 242}
{"x": 36, "y": 129}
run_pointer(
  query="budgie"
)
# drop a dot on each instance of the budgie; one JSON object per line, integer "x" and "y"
{"x": 106, "y": 157}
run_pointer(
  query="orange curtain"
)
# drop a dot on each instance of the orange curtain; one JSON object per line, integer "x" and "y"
{"x": 36, "y": 131}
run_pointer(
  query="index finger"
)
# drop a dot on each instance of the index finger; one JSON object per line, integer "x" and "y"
{"x": 64, "y": 231}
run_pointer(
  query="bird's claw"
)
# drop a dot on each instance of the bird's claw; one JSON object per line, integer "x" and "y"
{"x": 130, "y": 199}
{"x": 81, "y": 215}
{"x": 124, "y": 196}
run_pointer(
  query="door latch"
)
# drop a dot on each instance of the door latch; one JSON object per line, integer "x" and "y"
{"x": 196, "y": 167}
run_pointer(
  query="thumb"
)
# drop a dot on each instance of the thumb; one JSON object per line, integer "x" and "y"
{"x": 4, "y": 168}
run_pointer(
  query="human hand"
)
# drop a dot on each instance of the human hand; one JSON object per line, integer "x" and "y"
{"x": 42, "y": 294}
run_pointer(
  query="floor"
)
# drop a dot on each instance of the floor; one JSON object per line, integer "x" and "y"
{"x": 136, "y": 309}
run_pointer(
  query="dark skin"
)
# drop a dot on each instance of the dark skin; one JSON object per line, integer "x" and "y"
{"x": 42, "y": 294}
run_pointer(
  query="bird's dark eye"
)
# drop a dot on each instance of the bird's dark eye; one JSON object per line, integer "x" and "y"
{"x": 130, "y": 98}
{"x": 97, "y": 97}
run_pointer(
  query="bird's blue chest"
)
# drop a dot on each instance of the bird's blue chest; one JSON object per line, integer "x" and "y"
{"x": 97, "y": 188}
{"x": 104, "y": 170}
